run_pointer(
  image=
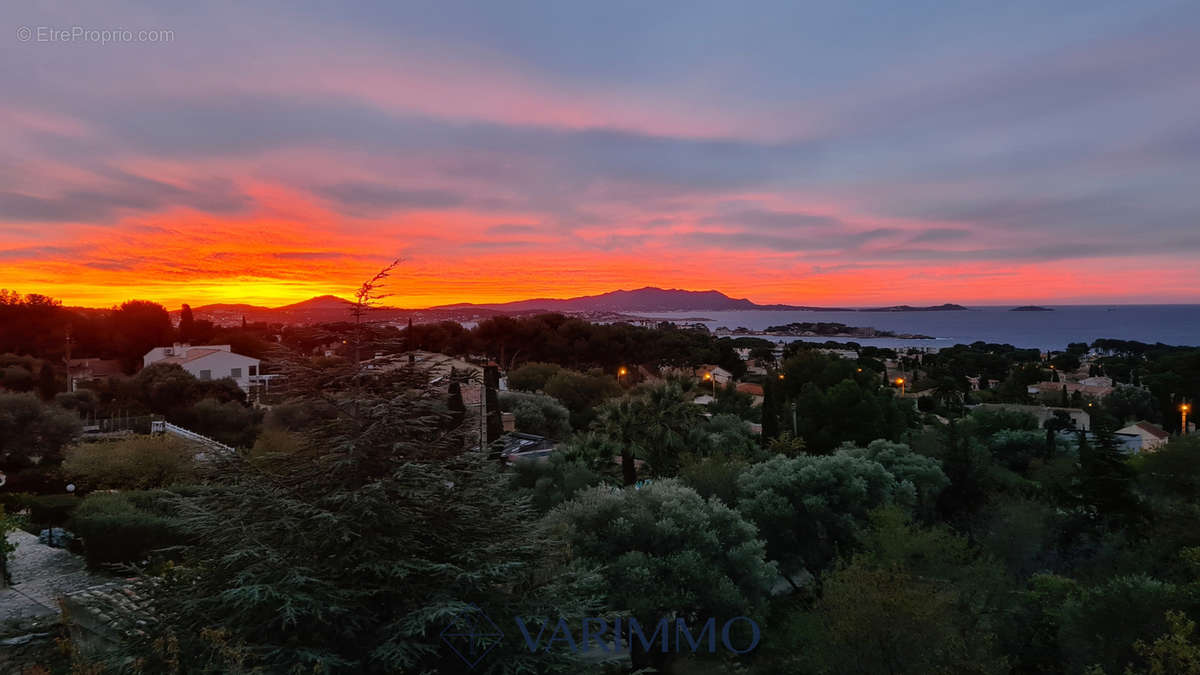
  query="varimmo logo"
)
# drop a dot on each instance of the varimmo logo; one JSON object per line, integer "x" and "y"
{"x": 472, "y": 635}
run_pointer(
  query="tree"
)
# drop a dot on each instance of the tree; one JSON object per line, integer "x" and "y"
{"x": 1175, "y": 652}
{"x": 1015, "y": 449}
{"x": 47, "y": 382}
{"x": 968, "y": 466}
{"x": 1132, "y": 403}
{"x": 556, "y": 480}
{"x": 921, "y": 477}
{"x": 231, "y": 422}
{"x": 1100, "y": 625}
{"x": 16, "y": 378}
{"x": 187, "y": 323}
{"x": 1105, "y": 478}
{"x": 32, "y": 432}
{"x": 355, "y": 552}
{"x": 491, "y": 392}
{"x": 581, "y": 393}
{"x": 915, "y": 601}
{"x": 537, "y": 414}
{"x": 366, "y": 298}
{"x": 665, "y": 552}
{"x": 770, "y": 411}
{"x": 654, "y": 424}
{"x": 810, "y": 508}
{"x": 140, "y": 326}
{"x": 532, "y": 376}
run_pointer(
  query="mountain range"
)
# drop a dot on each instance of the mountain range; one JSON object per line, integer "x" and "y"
{"x": 329, "y": 308}
{"x": 648, "y": 299}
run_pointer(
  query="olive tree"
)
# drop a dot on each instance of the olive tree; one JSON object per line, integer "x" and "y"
{"x": 666, "y": 551}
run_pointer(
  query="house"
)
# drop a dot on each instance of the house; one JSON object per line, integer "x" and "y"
{"x": 1080, "y": 418}
{"x": 208, "y": 362}
{"x": 719, "y": 374}
{"x": 81, "y": 370}
{"x": 1152, "y": 436}
{"x": 1091, "y": 390}
{"x": 754, "y": 390}
{"x": 750, "y": 388}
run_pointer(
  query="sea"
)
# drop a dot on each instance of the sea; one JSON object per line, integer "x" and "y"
{"x": 1052, "y": 330}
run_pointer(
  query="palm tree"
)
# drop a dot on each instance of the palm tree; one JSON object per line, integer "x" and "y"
{"x": 656, "y": 424}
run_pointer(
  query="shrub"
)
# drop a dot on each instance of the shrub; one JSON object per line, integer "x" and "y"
{"x": 229, "y": 422}
{"x": 532, "y": 376}
{"x": 51, "y": 510}
{"x": 123, "y": 527}
{"x": 138, "y": 462}
{"x": 537, "y": 414}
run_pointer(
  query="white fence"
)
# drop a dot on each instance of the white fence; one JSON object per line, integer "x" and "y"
{"x": 160, "y": 427}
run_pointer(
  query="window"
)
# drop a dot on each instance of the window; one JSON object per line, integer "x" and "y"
{"x": 206, "y": 374}
{"x": 253, "y": 370}
{"x": 235, "y": 373}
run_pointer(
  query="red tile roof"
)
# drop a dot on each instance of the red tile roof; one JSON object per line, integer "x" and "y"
{"x": 1152, "y": 429}
{"x": 191, "y": 355}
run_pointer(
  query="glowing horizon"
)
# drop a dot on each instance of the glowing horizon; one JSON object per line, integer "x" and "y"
{"x": 797, "y": 155}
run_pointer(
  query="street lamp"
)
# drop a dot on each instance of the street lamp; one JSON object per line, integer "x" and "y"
{"x": 708, "y": 377}
{"x": 900, "y": 381}
{"x": 1183, "y": 411}
{"x": 621, "y": 372}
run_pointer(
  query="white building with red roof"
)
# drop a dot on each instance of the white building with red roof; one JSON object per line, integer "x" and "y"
{"x": 208, "y": 362}
{"x": 1152, "y": 436}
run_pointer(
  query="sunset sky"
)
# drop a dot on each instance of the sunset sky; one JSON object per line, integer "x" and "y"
{"x": 832, "y": 153}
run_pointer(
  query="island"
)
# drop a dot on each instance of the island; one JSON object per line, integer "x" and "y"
{"x": 948, "y": 307}
{"x": 1030, "y": 308}
{"x": 833, "y": 329}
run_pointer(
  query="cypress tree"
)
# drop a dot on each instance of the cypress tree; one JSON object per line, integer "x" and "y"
{"x": 491, "y": 381}
{"x": 187, "y": 324}
{"x": 770, "y": 414}
{"x": 47, "y": 383}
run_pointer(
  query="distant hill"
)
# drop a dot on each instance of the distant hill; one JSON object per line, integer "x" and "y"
{"x": 948, "y": 307}
{"x": 1030, "y": 308}
{"x": 321, "y": 309}
{"x": 608, "y": 306}
{"x": 648, "y": 299}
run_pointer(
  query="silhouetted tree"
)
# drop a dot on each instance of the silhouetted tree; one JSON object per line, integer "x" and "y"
{"x": 187, "y": 323}
{"x": 47, "y": 382}
{"x": 770, "y": 413}
{"x": 139, "y": 326}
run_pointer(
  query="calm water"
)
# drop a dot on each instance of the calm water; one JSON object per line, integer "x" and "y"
{"x": 1170, "y": 324}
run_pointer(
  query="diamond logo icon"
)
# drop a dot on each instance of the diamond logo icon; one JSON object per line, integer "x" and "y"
{"x": 471, "y": 634}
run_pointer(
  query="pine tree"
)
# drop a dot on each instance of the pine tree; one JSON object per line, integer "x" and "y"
{"x": 1106, "y": 481}
{"x": 354, "y": 553}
